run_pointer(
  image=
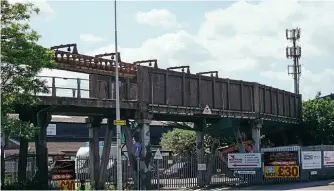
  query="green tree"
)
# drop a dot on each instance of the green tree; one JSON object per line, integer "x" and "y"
{"x": 184, "y": 141}
{"x": 318, "y": 121}
{"x": 21, "y": 60}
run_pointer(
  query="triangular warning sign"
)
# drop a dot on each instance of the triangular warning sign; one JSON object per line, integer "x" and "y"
{"x": 207, "y": 110}
{"x": 158, "y": 155}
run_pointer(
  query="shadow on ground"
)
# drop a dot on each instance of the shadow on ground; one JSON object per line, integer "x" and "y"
{"x": 293, "y": 186}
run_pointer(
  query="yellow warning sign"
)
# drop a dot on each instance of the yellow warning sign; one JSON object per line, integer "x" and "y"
{"x": 120, "y": 122}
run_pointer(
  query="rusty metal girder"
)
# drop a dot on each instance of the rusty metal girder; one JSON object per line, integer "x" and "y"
{"x": 71, "y": 60}
{"x": 92, "y": 65}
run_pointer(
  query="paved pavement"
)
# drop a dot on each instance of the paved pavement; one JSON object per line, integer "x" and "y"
{"x": 316, "y": 185}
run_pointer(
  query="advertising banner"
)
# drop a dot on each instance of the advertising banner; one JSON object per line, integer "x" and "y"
{"x": 281, "y": 164}
{"x": 244, "y": 160}
{"x": 291, "y": 171}
{"x": 329, "y": 158}
{"x": 63, "y": 175}
{"x": 311, "y": 159}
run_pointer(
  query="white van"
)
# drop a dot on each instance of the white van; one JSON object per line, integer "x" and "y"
{"x": 82, "y": 163}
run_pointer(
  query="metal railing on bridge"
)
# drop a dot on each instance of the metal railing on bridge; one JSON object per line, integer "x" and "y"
{"x": 80, "y": 88}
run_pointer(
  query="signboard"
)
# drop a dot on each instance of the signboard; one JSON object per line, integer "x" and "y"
{"x": 290, "y": 171}
{"x": 158, "y": 155}
{"x": 201, "y": 167}
{"x": 281, "y": 164}
{"x": 64, "y": 184}
{"x": 244, "y": 160}
{"x": 311, "y": 159}
{"x": 137, "y": 148}
{"x": 120, "y": 122}
{"x": 245, "y": 172}
{"x": 207, "y": 110}
{"x": 280, "y": 158}
{"x": 329, "y": 158}
{"x": 51, "y": 130}
{"x": 3, "y": 140}
{"x": 101, "y": 144}
{"x": 63, "y": 175}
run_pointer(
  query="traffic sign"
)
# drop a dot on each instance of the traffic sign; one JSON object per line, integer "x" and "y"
{"x": 137, "y": 148}
{"x": 3, "y": 140}
{"x": 158, "y": 155}
{"x": 120, "y": 122}
{"x": 207, "y": 110}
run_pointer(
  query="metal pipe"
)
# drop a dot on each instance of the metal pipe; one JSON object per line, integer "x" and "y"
{"x": 177, "y": 67}
{"x": 118, "y": 128}
{"x": 209, "y": 72}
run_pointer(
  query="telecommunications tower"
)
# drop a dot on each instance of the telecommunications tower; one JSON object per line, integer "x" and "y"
{"x": 294, "y": 53}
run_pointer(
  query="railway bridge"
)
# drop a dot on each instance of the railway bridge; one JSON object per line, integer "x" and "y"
{"x": 215, "y": 105}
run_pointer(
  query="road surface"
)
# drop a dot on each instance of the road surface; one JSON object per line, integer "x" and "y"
{"x": 316, "y": 185}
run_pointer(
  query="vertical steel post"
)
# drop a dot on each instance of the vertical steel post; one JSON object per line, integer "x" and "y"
{"x": 118, "y": 128}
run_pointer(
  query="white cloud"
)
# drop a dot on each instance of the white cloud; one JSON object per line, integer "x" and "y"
{"x": 247, "y": 42}
{"x": 159, "y": 18}
{"x": 90, "y": 38}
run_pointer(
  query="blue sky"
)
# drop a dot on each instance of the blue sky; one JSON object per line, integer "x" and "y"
{"x": 241, "y": 40}
{"x": 97, "y": 17}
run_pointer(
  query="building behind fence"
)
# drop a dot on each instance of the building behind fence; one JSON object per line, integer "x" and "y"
{"x": 186, "y": 171}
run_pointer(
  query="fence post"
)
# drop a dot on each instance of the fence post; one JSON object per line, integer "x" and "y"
{"x": 82, "y": 185}
{"x": 78, "y": 87}
{"x": 73, "y": 93}
{"x": 54, "y": 94}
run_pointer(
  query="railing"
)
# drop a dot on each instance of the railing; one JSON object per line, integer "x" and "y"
{"x": 87, "y": 88}
{"x": 70, "y": 87}
{"x": 66, "y": 87}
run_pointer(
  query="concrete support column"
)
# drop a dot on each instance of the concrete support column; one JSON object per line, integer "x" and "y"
{"x": 200, "y": 151}
{"x": 43, "y": 119}
{"x": 94, "y": 124}
{"x": 146, "y": 154}
{"x": 22, "y": 174}
{"x": 256, "y": 136}
{"x": 105, "y": 154}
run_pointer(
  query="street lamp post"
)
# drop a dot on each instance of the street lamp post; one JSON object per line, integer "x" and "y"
{"x": 118, "y": 127}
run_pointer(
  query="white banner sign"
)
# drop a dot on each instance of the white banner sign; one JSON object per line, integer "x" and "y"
{"x": 244, "y": 160}
{"x": 51, "y": 130}
{"x": 329, "y": 158}
{"x": 311, "y": 159}
{"x": 245, "y": 172}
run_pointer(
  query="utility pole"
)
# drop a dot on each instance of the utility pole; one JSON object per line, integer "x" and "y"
{"x": 294, "y": 53}
{"x": 118, "y": 116}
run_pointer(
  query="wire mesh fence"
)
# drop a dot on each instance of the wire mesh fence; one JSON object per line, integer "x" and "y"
{"x": 11, "y": 168}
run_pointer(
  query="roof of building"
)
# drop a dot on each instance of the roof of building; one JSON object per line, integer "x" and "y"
{"x": 330, "y": 95}
{"x": 54, "y": 148}
{"x": 59, "y": 148}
